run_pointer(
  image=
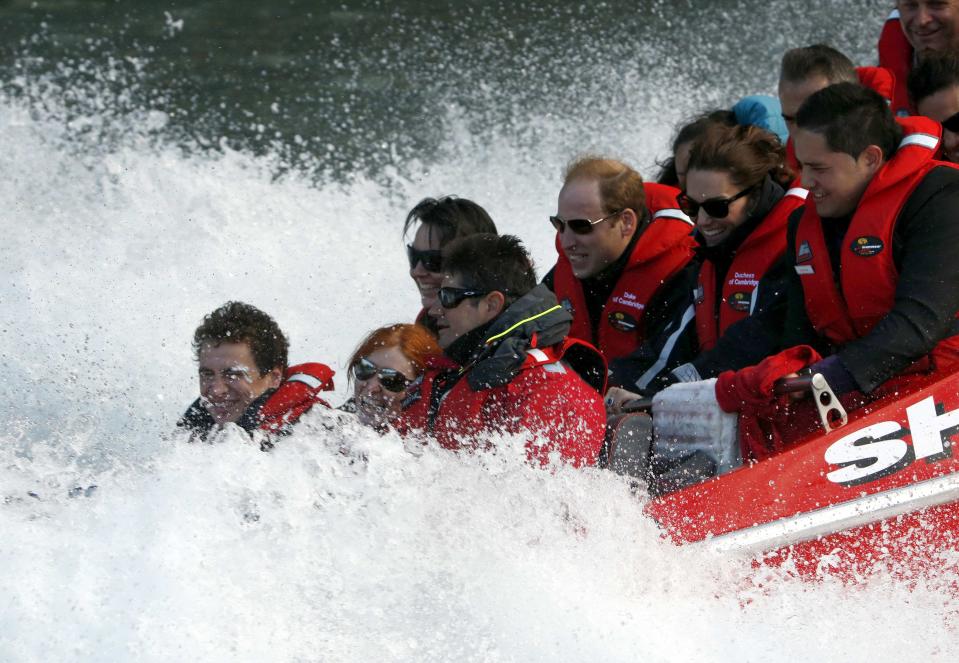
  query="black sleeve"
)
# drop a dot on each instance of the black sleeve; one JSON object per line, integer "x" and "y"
{"x": 197, "y": 420}
{"x": 752, "y": 339}
{"x": 548, "y": 280}
{"x": 927, "y": 294}
{"x": 670, "y": 335}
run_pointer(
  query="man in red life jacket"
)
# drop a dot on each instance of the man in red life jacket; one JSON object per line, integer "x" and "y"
{"x": 507, "y": 365}
{"x": 912, "y": 31}
{"x": 811, "y": 68}
{"x": 622, "y": 246}
{"x": 934, "y": 91}
{"x": 875, "y": 283}
{"x": 242, "y": 357}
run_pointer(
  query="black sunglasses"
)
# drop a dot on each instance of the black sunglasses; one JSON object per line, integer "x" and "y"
{"x": 390, "y": 378}
{"x": 452, "y": 297}
{"x": 579, "y": 226}
{"x": 951, "y": 123}
{"x": 718, "y": 208}
{"x": 432, "y": 259}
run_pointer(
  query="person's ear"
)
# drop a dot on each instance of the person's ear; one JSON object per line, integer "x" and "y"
{"x": 276, "y": 377}
{"x": 872, "y": 157}
{"x": 629, "y": 222}
{"x": 494, "y": 303}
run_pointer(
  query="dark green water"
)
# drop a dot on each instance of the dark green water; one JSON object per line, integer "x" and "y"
{"x": 369, "y": 84}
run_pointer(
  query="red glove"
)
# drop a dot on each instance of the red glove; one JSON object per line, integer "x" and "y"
{"x": 765, "y": 427}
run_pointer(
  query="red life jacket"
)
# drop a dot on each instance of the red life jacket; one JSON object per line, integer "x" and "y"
{"x": 298, "y": 392}
{"x": 877, "y": 79}
{"x": 896, "y": 55}
{"x": 868, "y": 277}
{"x": 546, "y": 398}
{"x": 764, "y": 246}
{"x": 664, "y": 248}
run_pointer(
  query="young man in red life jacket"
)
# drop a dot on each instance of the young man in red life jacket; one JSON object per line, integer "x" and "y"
{"x": 811, "y": 68}
{"x": 622, "y": 246}
{"x": 934, "y": 91}
{"x": 875, "y": 283}
{"x": 912, "y": 31}
{"x": 242, "y": 358}
{"x": 507, "y": 365}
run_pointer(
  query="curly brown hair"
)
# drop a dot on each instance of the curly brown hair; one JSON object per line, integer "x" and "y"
{"x": 236, "y": 322}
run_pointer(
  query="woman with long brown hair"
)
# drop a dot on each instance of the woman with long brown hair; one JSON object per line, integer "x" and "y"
{"x": 737, "y": 193}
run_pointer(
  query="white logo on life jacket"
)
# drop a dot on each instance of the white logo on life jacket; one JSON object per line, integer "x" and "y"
{"x": 630, "y": 300}
{"x": 879, "y": 450}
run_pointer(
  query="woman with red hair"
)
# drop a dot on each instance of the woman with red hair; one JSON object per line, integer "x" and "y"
{"x": 386, "y": 362}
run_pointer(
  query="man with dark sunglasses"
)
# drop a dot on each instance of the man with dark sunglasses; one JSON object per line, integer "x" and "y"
{"x": 507, "y": 365}
{"x": 808, "y": 69}
{"x": 622, "y": 245}
{"x": 244, "y": 379}
{"x": 934, "y": 91}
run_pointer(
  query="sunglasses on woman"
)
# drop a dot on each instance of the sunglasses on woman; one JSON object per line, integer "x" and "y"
{"x": 432, "y": 259}
{"x": 717, "y": 208}
{"x": 579, "y": 226}
{"x": 390, "y": 378}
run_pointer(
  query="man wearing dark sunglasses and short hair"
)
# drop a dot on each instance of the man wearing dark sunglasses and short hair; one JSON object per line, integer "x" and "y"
{"x": 507, "y": 365}
{"x": 242, "y": 362}
{"x": 622, "y": 246}
{"x": 934, "y": 91}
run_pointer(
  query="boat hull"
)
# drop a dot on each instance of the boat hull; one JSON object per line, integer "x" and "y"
{"x": 880, "y": 493}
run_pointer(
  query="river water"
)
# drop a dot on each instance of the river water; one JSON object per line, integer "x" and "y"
{"x": 160, "y": 159}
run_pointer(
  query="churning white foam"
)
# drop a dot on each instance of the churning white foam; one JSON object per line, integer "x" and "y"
{"x": 338, "y": 545}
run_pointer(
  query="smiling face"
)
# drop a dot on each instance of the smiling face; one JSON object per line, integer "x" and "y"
{"x": 703, "y": 185}
{"x": 930, "y": 25}
{"x": 466, "y": 316}
{"x": 230, "y": 380}
{"x": 836, "y": 181}
{"x": 591, "y": 253}
{"x": 941, "y": 106}
{"x": 376, "y": 405}
{"x": 427, "y": 282}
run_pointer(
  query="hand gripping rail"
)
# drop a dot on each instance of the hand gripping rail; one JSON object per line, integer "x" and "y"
{"x": 832, "y": 414}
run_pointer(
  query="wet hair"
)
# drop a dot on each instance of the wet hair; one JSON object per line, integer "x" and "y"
{"x": 851, "y": 118}
{"x": 800, "y": 64}
{"x": 491, "y": 262}
{"x": 450, "y": 217}
{"x": 747, "y": 153}
{"x": 620, "y": 186}
{"x": 689, "y": 132}
{"x": 236, "y": 322}
{"x": 935, "y": 71}
{"x": 415, "y": 342}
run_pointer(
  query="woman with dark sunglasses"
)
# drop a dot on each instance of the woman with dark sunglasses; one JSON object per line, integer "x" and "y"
{"x": 736, "y": 194}
{"x": 384, "y": 365}
{"x": 437, "y": 222}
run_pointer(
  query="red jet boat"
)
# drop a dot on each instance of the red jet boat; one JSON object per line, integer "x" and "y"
{"x": 877, "y": 492}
